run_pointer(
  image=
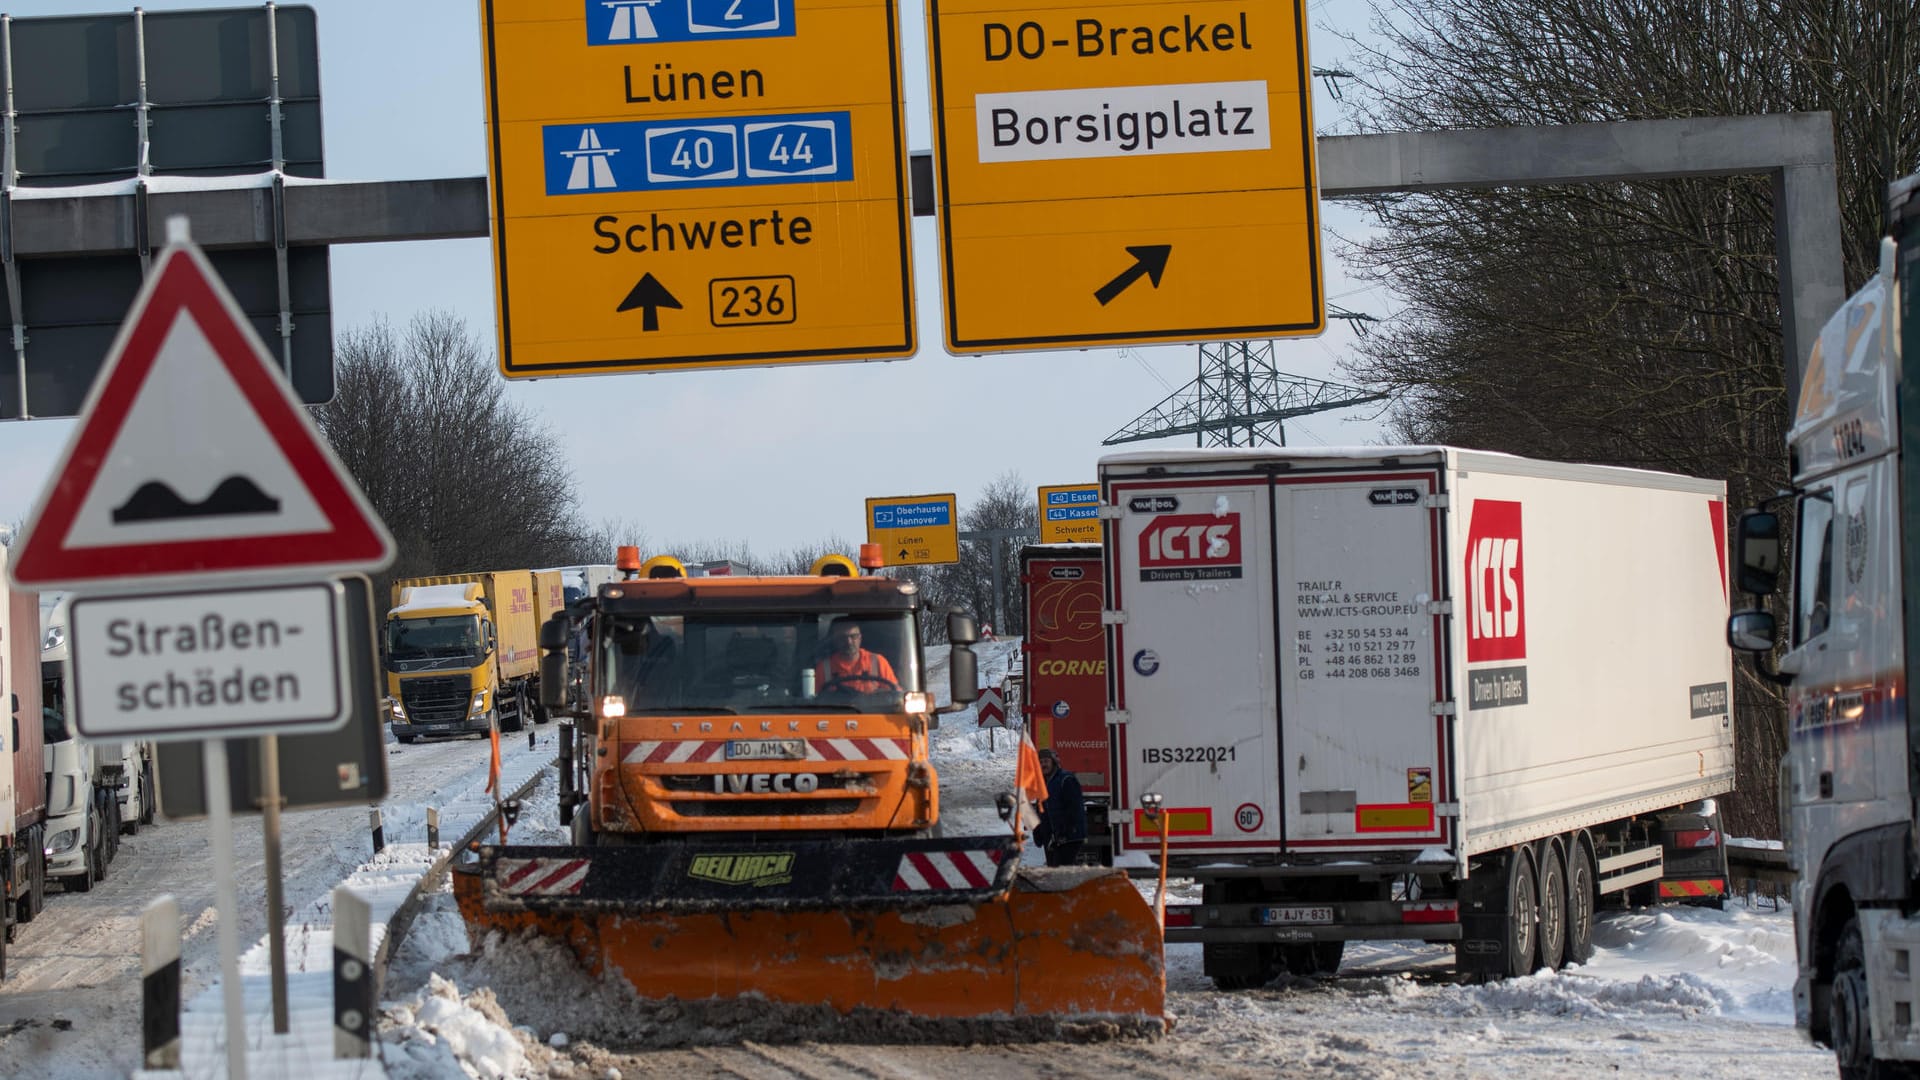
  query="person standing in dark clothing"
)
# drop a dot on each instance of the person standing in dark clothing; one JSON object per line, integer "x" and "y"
{"x": 1063, "y": 818}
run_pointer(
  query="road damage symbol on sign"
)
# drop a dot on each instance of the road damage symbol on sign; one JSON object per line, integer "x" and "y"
{"x": 193, "y": 458}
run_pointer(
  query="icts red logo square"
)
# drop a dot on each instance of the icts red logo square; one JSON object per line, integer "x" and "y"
{"x": 1496, "y": 583}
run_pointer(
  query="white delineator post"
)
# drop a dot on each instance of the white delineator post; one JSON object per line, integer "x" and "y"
{"x": 160, "y": 984}
{"x": 352, "y": 976}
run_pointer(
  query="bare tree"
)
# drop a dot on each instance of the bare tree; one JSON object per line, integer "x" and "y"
{"x": 465, "y": 479}
{"x": 1632, "y": 324}
{"x": 1006, "y": 503}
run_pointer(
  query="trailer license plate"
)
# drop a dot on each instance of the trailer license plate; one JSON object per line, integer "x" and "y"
{"x": 1282, "y": 916}
{"x": 766, "y": 749}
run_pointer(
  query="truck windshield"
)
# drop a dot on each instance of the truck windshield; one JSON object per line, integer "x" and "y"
{"x": 834, "y": 661}
{"x": 439, "y": 641}
{"x": 53, "y": 725}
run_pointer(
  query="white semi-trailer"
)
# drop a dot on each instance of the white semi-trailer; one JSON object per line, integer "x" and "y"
{"x": 1414, "y": 693}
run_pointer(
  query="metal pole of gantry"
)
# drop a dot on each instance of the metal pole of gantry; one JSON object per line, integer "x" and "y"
{"x": 276, "y": 918}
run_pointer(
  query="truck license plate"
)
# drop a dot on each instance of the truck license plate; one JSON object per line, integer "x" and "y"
{"x": 767, "y": 749}
{"x": 1283, "y": 916}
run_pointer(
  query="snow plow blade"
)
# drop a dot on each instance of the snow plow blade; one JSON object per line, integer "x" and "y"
{"x": 944, "y": 929}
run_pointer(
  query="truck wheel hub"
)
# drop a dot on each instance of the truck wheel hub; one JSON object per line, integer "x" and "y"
{"x": 1852, "y": 1037}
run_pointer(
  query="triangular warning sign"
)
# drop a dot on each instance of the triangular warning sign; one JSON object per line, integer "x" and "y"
{"x": 193, "y": 459}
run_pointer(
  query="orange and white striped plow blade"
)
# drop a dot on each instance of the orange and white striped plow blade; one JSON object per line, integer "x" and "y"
{"x": 1072, "y": 945}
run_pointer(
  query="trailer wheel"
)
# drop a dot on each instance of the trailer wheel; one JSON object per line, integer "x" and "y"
{"x": 1523, "y": 908}
{"x": 1553, "y": 905}
{"x": 149, "y": 796}
{"x": 1580, "y": 902}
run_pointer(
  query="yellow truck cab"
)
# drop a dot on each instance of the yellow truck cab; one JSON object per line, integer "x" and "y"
{"x": 461, "y": 651}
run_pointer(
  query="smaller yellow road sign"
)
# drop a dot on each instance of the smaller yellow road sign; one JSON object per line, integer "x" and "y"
{"x": 1070, "y": 514}
{"x": 914, "y": 530}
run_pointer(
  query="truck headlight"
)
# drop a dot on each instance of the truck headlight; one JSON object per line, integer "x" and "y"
{"x": 398, "y": 711}
{"x": 479, "y": 703}
{"x": 917, "y": 702}
{"x": 63, "y": 841}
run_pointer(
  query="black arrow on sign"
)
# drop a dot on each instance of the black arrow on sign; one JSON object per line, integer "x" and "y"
{"x": 650, "y": 296}
{"x": 1148, "y": 259}
{"x": 903, "y": 553}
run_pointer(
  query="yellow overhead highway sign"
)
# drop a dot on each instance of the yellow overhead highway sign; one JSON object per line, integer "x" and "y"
{"x": 913, "y": 530}
{"x": 700, "y": 183}
{"x": 1070, "y": 514}
{"x": 1118, "y": 173}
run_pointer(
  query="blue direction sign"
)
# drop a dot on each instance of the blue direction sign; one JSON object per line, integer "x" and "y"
{"x": 914, "y": 530}
{"x": 651, "y": 155}
{"x": 643, "y": 22}
{"x": 1070, "y": 513}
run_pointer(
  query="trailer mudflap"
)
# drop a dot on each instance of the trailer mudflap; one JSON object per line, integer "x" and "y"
{"x": 687, "y": 874}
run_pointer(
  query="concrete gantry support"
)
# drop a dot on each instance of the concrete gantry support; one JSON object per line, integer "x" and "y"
{"x": 1795, "y": 149}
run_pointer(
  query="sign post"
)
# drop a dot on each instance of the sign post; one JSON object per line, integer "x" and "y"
{"x": 194, "y": 466}
{"x": 705, "y": 183}
{"x": 1123, "y": 174}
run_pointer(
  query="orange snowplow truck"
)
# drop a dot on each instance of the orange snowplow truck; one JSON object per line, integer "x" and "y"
{"x": 754, "y": 813}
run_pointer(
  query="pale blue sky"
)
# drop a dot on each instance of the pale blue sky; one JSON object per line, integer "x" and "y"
{"x": 777, "y": 458}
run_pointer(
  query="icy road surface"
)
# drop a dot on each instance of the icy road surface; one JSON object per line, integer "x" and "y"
{"x": 1670, "y": 992}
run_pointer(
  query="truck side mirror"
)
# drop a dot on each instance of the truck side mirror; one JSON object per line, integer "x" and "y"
{"x": 553, "y": 678}
{"x": 554, "y": 633}
{"x": 961, "y": 629}
{"x": 963, "y": 674}
{"x": 1757, "y": 550}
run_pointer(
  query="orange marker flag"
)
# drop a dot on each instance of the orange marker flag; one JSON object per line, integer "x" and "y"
{"x": 493, "y": 769}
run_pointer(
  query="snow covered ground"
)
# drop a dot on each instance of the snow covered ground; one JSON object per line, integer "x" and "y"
{"x": 1681, "y": 991}
{"x": 70, "y": 1007}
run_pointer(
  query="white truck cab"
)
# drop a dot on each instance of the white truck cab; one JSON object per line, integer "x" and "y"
{"x": 95, "y": 790}
{"x": 1850, "y": 776}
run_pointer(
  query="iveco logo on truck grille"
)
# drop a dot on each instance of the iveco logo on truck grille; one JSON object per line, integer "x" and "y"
{"x": 1189, "y": 547}
{"x": 764, "y": 868}
{"x": 1496, "y": 588}
{"x": 765, "y": 783}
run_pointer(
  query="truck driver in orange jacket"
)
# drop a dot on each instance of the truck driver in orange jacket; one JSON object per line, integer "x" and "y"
{"x": 850, "y": 667}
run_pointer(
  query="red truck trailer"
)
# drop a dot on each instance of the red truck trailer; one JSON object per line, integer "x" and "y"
{"x": 1066, "y": 671}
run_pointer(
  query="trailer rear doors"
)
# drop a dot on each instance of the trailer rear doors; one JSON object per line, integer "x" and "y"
{"x": 1278, "y": 658}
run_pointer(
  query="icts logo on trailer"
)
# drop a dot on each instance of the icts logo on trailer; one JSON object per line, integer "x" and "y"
{"x": 1190, "y": 547}
{"x": 1496, "y": 584}
{"x": 1496, "y": 605}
